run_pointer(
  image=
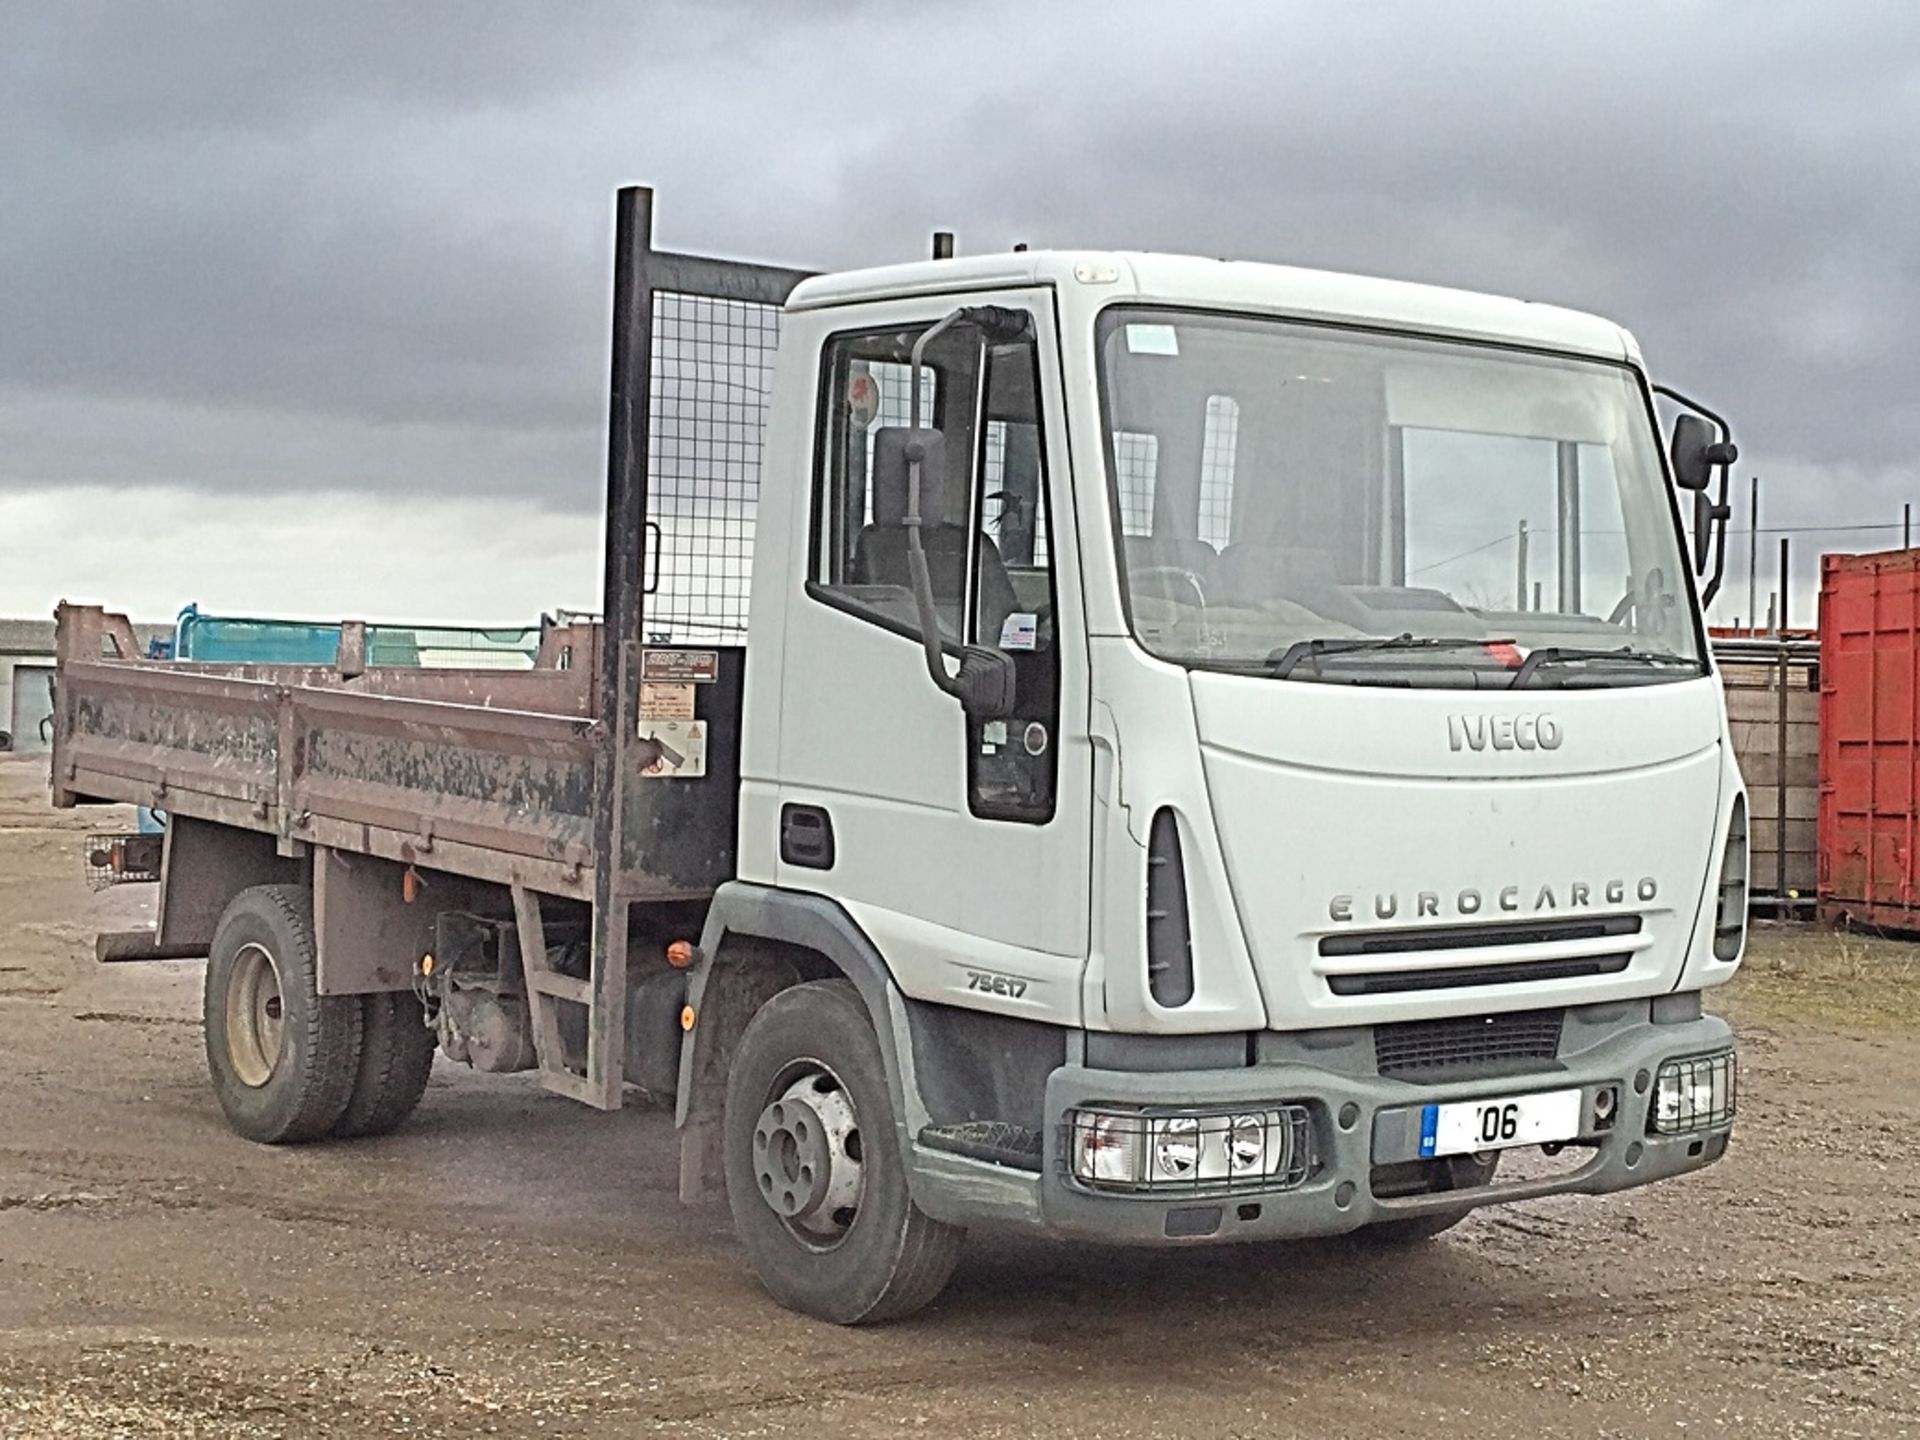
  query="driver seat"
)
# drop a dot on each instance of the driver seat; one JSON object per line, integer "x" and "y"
{"x": 881, "y": 556}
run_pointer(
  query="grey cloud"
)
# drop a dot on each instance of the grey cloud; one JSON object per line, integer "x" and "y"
{"x": 296, "y": 232}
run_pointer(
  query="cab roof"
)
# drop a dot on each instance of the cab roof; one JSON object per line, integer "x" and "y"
{"x": 1104, "y": 277}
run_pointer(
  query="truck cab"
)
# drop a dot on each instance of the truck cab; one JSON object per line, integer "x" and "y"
{"x": 1352, "y": 804}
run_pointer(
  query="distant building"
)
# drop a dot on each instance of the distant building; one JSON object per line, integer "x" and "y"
{"x": 26, "y": 680}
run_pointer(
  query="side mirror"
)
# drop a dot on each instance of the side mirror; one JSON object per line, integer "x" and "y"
{"x": 1696, "y": 454}
{"x": 1692, "y": 464}
{"x": 1704, "y": 511}
{"x": 985, "y": 684}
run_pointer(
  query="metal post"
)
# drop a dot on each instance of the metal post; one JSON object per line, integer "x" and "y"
{"x": 1753, "y": 554}
{"x": 1520, "y": 570}
{"x": 1780, "y": 757}
{"x": 1567, "y": 466}
{"x": 628, "y": 425}
{"x": 1783, "y": 584}
{"x": 1906, "y": 526}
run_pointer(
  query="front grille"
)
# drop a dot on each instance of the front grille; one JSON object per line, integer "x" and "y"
{"x": 1464, "y": 937}
{"x": 1467, "y": 1040}
{"x": 1457, "y": 977}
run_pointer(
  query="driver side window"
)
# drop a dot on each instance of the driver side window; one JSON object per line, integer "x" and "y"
{"x": 986, "y": 537}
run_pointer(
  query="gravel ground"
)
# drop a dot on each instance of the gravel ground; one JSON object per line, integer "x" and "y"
{"x": 511, "y": 1264}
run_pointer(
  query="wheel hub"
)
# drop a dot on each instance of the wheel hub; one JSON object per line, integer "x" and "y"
{"x": 790, "y": 1159}
{"x": 806, "y": 1157}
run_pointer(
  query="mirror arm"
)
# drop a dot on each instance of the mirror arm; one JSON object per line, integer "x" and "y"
{"x": 1718, "y": 517}
{"x": 1688, "y": 402}
{"x": 916, "y": 549}
{"x": 985, "y": 683}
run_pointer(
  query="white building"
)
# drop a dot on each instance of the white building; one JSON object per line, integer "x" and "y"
{"x": 26, "y": 674}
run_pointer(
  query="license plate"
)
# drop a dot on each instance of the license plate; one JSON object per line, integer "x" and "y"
{"x": 1499, "y": 1124}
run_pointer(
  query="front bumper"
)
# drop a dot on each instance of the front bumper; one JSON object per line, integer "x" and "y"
{"x": 1361, "y": 1120}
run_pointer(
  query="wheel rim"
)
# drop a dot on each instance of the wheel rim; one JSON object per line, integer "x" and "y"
{"x": 255, "y": 1016}
{"x": 808, "y": 1154}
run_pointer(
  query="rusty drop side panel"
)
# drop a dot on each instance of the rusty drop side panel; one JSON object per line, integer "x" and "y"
{"x": 456, "y": 775}
{"x": 528, "y": 779}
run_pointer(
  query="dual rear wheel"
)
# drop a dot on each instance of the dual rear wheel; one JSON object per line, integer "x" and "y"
{"x": 289, "y": 1064}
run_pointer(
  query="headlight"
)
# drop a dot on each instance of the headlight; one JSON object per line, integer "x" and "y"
{"x": 1693, "y": 1094}
{"x": 1247, "y": 1145}
{"x": 1176, "y": 1149}
{"x": 1108, "y": 1149}
{"x": 1188, "y": 1152}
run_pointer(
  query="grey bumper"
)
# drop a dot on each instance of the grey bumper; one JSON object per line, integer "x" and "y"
{"x": 1360, "y": 1120}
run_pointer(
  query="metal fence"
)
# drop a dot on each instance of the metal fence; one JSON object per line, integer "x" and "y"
{"x": 1773, "y": 710}
{"x": 712, "y": 372}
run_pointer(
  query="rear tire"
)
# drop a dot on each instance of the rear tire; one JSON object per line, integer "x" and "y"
{"x": 808, "y": 1066}
{"x": 283, "y": 1058}
{"x": 396, "y": 1056}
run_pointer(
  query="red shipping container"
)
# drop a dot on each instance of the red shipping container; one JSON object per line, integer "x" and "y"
{"x": 1870, "y": 738}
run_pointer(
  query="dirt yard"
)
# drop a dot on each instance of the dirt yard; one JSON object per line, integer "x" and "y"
{"x": 511, "y": 1264}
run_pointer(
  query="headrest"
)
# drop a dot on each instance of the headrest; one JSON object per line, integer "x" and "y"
{"x": 939, "y": 502}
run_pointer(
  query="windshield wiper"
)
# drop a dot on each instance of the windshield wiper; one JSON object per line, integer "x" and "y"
{"x": 1282, "y": 662}
{"x": 1564, "y": 654}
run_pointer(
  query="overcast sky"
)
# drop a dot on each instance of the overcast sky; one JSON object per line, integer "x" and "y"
{"x": 303, "y": 307}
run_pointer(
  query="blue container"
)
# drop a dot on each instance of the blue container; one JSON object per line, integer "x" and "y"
{"x": 213, "y": 639}
{"x": 217, "y": 639}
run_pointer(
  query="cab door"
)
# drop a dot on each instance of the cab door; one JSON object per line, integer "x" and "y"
{"x": 958, "y": 844}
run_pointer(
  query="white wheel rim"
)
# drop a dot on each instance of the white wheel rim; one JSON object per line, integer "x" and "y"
{"x": 827, "y": 1222}
{"x": 255, "y": 1016}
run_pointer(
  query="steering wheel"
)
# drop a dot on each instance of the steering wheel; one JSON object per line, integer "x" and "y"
{"x": 1645, "y": 600}
{"x": 1174, "y": 572}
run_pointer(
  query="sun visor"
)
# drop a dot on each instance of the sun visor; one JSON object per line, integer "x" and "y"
{"x": 1539, "y": 402}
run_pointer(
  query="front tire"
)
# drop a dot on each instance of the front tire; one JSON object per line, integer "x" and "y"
{"x": 815, "y": 1177}
{"x": 283, "y": 1058}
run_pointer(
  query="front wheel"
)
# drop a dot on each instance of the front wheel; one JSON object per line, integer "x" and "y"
{"x": 815, "y": 1177}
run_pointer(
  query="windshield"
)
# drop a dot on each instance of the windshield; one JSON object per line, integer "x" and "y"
{"x": 1286, "y": 490}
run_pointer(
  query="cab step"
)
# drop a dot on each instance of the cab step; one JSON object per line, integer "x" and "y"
{"x": 995, "y": 1141}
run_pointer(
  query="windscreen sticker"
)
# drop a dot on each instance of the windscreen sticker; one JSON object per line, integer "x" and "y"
{"x": 679, "y": 749}
{"x": 1020, "y": 631}
{"x": 863, "y": 399}
{"x": 1152, "y": 340}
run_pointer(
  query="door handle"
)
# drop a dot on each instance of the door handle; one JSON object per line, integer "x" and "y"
{"x": 806, "y": 837}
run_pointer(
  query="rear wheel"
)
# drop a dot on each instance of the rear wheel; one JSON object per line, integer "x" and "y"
{"x": 283, "y": 1058}
{"x": 815, "y": 1177}
{"x": 396, "y": 1056}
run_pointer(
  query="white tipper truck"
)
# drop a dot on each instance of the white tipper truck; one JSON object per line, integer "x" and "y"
{"x": 1147, "y": 749}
